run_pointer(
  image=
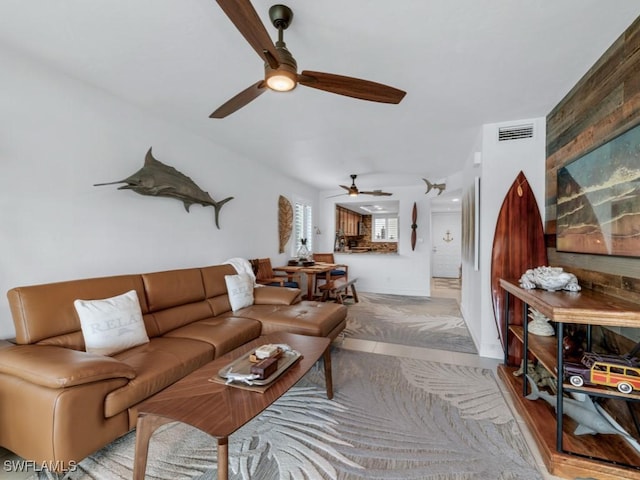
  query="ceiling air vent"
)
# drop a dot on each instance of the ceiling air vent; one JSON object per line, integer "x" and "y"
{"x": 516, "y": 132}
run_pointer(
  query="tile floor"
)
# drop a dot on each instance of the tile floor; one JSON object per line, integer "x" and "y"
{"x": 439, "y": 289}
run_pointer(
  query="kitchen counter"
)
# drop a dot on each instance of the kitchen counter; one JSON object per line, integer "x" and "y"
{"x": 364, "y": 252}
{"x": 392, "y": 273}
{"x": 358, "y": 250}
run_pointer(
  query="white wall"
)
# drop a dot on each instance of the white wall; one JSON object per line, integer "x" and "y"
{"x": 59, "y": 136}
{"x": 405, "y": 273}
{"x": 501, "y": 163}
{"x": 472, "y": 279}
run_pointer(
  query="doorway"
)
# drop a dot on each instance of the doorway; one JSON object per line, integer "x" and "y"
{"x": 446, "y": 245}
{"x": 446, "y": 254}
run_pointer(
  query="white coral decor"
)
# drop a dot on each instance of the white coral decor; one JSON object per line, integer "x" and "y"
{"x": 549, "y": 278}
{"x": 539, "y": 324}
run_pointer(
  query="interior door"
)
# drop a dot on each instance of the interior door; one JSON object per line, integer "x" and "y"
{"x": 446, "y": 257}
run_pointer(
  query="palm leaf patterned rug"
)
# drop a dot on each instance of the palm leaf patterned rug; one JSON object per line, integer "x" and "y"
{"x": 406, "y": 320}
{"x": 391, "y": 418}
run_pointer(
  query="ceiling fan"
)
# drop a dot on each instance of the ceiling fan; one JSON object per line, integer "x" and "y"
{"x": 281, "y": 69}
{"x": 353, "y": 191}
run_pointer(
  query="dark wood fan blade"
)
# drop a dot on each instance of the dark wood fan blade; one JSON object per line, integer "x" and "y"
{"x": 346, "y": 188}
{"x": 240, "y": 100}
{"x": 351, "y": 87}
{"x": 246, "y": 19}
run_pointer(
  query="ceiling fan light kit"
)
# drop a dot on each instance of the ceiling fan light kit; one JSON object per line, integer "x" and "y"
{"x": 284, "y": 78}
{"x": 353, "y": 191}
{"x": 281, "y": 69}
{"x": 281, "y": 80}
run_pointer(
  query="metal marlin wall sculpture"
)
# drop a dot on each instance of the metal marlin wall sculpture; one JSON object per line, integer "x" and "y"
{"x": 160, "y": 180}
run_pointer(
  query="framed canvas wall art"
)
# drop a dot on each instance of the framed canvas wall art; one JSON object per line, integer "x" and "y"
{"x": 599, "y": 199}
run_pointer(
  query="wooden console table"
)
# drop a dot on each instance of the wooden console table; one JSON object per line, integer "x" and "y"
{"x": 567, "y": 455}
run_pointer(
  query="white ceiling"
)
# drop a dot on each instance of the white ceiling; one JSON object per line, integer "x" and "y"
{"x": 463, "y": 63}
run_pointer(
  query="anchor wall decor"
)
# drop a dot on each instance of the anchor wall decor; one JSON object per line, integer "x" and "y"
{"x": 448, "y": 238}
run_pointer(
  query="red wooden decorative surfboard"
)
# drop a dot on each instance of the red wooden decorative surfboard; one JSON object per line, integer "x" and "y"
{"x": 518, "y": 244}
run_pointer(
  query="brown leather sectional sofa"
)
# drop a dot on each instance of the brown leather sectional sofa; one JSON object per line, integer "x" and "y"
{"x": 59, "y": 403}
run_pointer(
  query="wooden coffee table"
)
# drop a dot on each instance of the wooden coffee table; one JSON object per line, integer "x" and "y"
{"x": 219, "y": 409}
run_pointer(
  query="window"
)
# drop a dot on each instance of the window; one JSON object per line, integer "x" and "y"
{"x": 302, "y": 227}
{"x": 385, "y": 228}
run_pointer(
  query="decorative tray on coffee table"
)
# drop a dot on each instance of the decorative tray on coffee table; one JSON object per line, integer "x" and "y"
{"x": 243, "y": 364}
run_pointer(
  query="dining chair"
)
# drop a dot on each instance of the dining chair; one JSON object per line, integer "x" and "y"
{"x": 266, "y": 276}
{"x": 341, "y": 271}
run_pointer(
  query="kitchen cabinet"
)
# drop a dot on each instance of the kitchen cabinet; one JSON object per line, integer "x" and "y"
{"x": 347, "y": 221}
{"x": 606, "y": 457}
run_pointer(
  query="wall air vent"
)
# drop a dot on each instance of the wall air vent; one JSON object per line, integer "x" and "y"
{"x": 516, "y": 132}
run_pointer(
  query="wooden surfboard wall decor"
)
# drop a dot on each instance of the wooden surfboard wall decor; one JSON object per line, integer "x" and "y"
{"x": 518, "y": 245}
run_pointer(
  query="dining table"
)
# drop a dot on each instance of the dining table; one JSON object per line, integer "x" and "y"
{"x": 311, "y": 272}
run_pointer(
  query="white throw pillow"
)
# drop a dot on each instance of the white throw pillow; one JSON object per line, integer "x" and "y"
{"x": 112, "y": 324}
{"x": 240, "y": 290}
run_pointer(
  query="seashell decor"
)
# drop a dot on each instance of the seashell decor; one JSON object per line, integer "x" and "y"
{"x": 539, "y": 324}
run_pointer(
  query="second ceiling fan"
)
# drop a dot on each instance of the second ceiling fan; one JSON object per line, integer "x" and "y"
{"x": 353, "y": 191}
{"x": 281, "y": 69}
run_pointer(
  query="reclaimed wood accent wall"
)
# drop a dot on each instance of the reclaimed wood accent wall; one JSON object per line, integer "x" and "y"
{"x": 601, "y": 106}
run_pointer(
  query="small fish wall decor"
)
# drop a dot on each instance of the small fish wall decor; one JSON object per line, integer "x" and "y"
{"x": 160, "y": 180}
{"x": 441, "y": 187}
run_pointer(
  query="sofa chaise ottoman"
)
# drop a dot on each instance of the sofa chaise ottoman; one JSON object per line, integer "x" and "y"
{"x": 60, "y": 402}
